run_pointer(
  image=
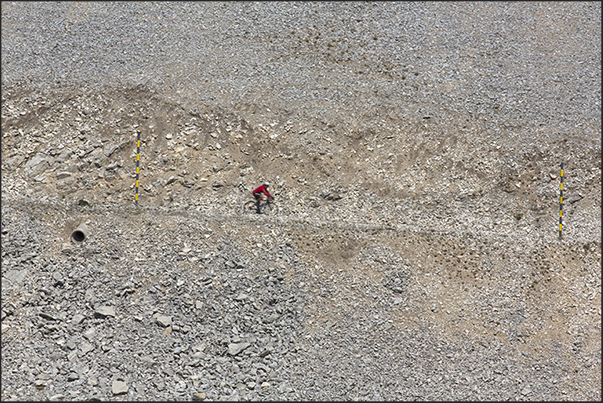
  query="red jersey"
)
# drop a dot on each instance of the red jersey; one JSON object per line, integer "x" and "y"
{"x": 262, "y": 189}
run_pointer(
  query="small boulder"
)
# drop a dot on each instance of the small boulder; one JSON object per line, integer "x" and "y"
{"x": 236, "y": 348}
{"x": 164, "y": 320}
{"x": 105, "y": 311}
{"x": 119, "y": 387}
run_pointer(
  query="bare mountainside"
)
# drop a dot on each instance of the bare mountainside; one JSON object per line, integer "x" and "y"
{"x": 415, "y": 253}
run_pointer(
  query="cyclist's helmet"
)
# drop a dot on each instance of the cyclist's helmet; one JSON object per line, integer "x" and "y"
{"x": 266, "y": 183}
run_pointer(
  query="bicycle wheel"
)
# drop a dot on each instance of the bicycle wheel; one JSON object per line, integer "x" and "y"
{"x": 270, "y": 209}
{"x": 249, "y": 207}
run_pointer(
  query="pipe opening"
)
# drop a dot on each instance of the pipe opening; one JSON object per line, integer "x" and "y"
{"x": 80, "y": 233}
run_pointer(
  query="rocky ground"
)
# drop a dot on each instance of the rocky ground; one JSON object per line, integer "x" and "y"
{"x": 414, "y": 151}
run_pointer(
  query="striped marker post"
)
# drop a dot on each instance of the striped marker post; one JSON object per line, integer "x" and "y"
{"x": 137, "y": 166}
{"x": 561, "y": 203}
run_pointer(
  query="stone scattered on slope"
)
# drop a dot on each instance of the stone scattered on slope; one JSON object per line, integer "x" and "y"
{"x": 105, "y": 311}
{"x": 236, "y": 348}
{"x": 119, "y": 387}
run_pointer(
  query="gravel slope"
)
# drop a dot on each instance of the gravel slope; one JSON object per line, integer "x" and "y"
{"x": 414, "y": 152}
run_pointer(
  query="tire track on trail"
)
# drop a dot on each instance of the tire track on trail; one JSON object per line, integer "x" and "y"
{"x": 291, "y": 220}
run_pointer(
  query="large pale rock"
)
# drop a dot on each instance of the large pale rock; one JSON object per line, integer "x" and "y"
{"x": 236, "y": 348}
{"x": 37, "y": 165}
{"x": 105, "y": 311}
{"x": 164, "y": 320}
{"x": 119, "y": 387}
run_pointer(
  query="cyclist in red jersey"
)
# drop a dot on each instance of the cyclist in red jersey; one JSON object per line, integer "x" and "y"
{"x": 257, "y": 193}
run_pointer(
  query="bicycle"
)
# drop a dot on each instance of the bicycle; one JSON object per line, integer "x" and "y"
{"x": 267, "y": 208}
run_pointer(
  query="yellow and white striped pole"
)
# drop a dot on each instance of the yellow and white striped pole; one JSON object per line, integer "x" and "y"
{"x": 137, "y": 166}
{"x": 561, "y": 203}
